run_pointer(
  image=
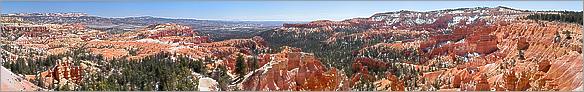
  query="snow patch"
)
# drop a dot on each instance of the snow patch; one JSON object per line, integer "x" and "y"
{"x": 208, "y": 84}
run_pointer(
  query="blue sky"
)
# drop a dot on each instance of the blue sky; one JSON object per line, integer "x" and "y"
{"x": 267, "y": 10}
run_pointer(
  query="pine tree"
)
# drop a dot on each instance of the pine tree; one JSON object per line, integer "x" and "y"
{"x": 240, "y": 66}
{"x": 363, "y": 85}
{"x": 254, "y": 63}
{"x": 223, "y": 79}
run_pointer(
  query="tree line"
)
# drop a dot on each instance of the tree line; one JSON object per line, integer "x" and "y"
{"x": 564, "y": 16}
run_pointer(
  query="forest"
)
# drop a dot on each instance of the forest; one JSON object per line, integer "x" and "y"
{"x": 564, "y": 16}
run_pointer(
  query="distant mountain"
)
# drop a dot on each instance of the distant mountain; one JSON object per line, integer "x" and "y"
{"x": 219, "y": 29}
{"x": 102, "y": 22}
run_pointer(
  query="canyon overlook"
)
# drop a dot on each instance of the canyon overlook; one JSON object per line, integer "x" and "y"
{"x": 465, "y": 49}
{"x": 475, "y": 49}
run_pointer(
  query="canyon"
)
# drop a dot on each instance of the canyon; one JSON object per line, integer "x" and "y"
{"x": 464, "y": 49}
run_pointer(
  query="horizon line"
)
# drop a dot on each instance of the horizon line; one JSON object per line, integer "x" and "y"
{"x": 275, "y": 20}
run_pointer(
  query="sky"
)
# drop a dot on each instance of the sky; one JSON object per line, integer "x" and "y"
{"x": 266, "y": 10}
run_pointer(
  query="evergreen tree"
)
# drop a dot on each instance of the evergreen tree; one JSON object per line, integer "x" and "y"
{"x": 564, "y": 16}
{"x": 254, "y": 63}
{"x": 364, "y": 85}
{"x": 240, "y": 67}
{"x": 222, "y": 78}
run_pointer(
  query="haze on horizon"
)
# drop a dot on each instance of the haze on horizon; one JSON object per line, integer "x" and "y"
{"x": 268, "y": 10}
